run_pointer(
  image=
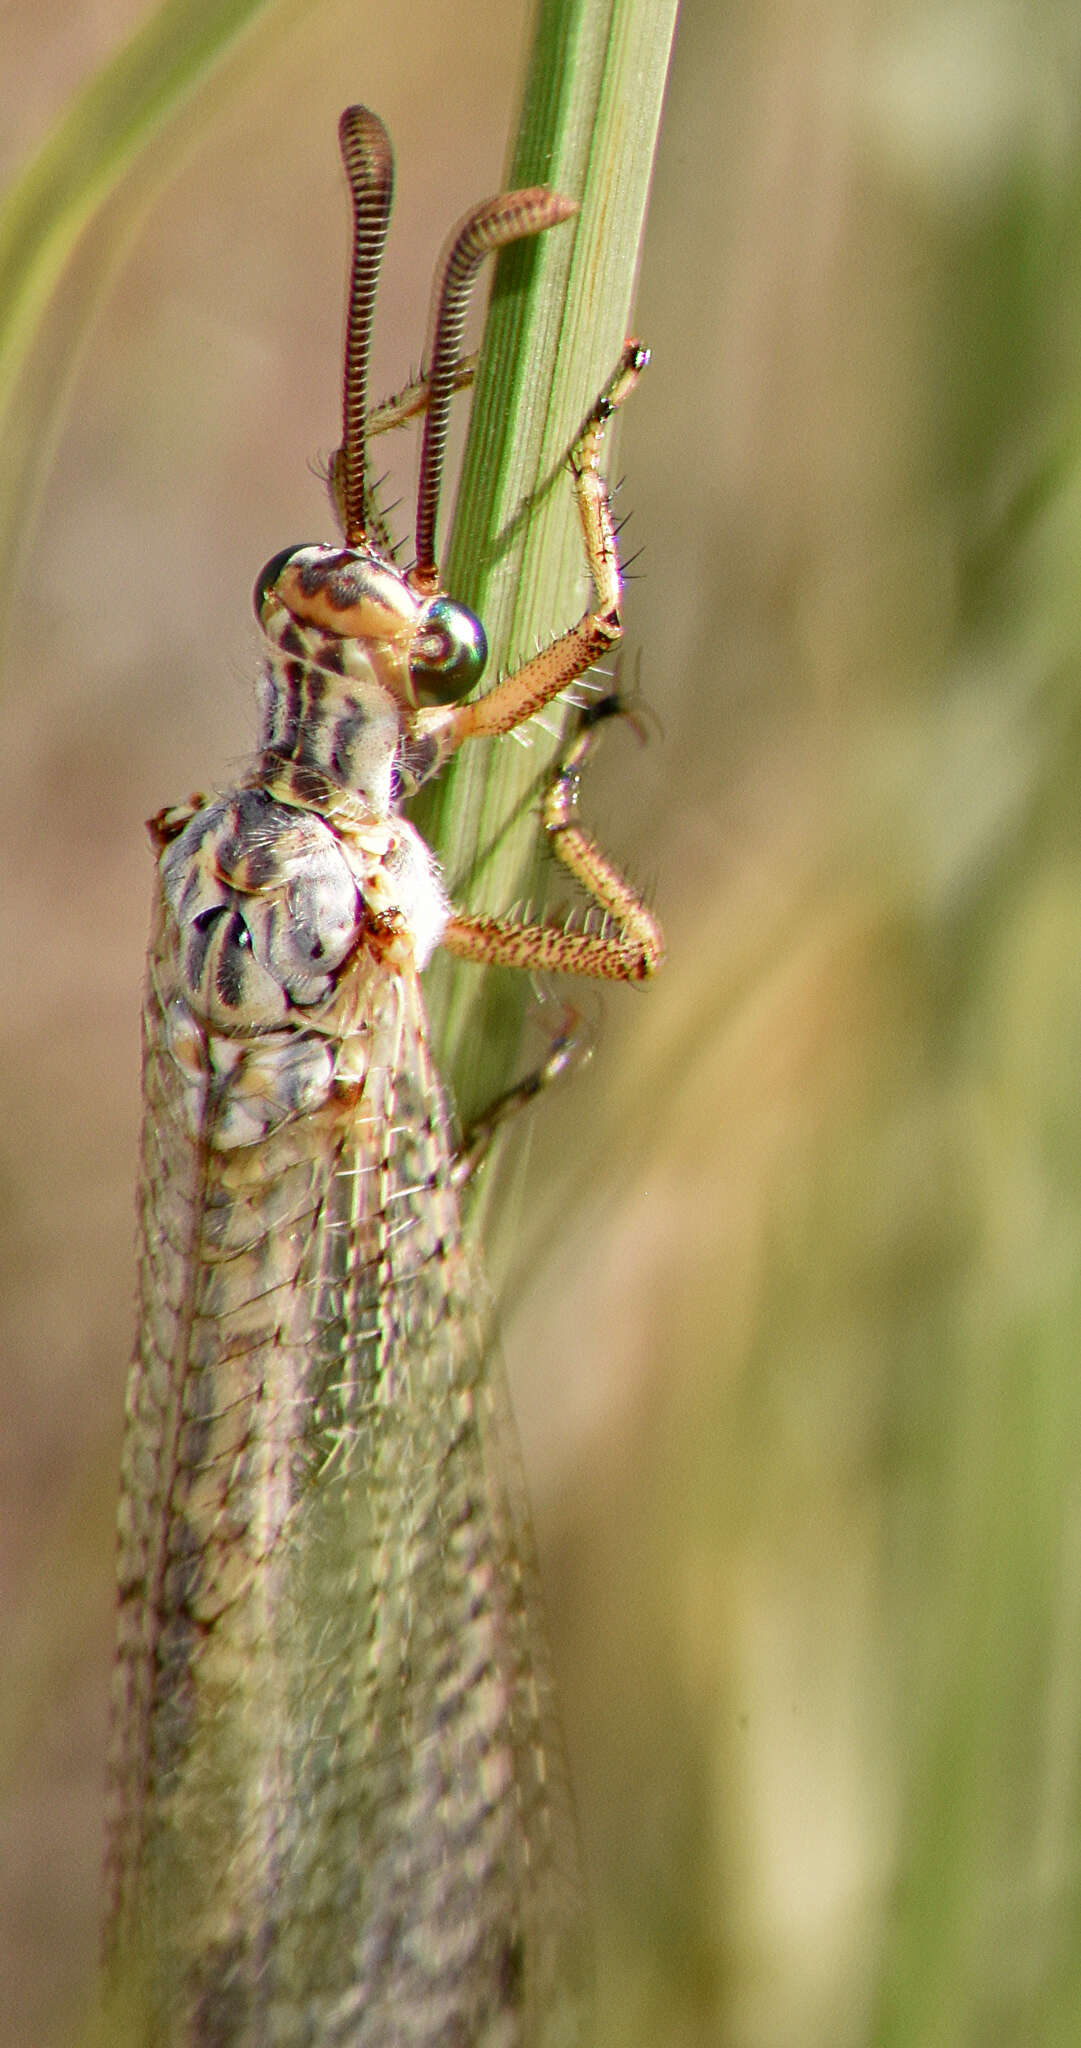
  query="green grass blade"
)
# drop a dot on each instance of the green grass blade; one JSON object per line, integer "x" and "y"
{"x": 558, "y": 317}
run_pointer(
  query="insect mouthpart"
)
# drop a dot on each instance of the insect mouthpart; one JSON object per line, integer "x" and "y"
{"x": 450, "y": 650}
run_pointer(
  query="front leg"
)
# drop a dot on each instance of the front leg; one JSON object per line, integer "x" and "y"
{"x": 517, "y": 697}
{"x": 411, "y": 402}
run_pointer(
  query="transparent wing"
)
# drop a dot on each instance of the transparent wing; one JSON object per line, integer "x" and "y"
{"x": 340, "y": 1810}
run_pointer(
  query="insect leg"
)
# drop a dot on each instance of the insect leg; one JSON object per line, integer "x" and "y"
{"x": 516, "y": 697}
{"x": 630, "y": 953}
{"x": 412, "y": 400}
{"x": 569, "y": 1048}
{"x": 410, "y": 403}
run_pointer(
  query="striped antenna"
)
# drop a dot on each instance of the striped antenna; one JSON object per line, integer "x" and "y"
{"x": 369, "y": 164}
{"x": 489, "y": 226}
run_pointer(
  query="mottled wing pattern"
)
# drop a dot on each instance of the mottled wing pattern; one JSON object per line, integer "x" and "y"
{"x": 339, "y": 1809}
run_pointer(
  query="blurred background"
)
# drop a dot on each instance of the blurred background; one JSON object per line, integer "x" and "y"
{"x": 796, "y": 1353}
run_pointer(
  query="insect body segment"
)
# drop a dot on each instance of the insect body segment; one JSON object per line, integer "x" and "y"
{"x": 338, "y": 1811}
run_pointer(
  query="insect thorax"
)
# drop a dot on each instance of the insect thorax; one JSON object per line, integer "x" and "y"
{"x": 275, "y": 889}
{"x": 332, "y": 706}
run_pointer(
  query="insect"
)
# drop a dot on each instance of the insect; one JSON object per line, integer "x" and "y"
{"x": 338, "y": 1813}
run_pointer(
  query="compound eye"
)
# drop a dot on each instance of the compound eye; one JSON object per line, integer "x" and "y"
{"x": 266, "y": 581}
{"x": 448, "y": 652}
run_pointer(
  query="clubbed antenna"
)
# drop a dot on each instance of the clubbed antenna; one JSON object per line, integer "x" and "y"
{"x": 369, "y": 164}
{"x": 488, "y": 227}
